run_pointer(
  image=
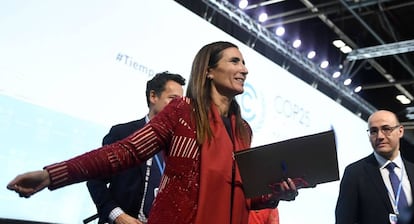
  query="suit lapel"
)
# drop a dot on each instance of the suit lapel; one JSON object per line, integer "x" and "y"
{"x": 409, "y": 168}
{"x": 375, "y": 180}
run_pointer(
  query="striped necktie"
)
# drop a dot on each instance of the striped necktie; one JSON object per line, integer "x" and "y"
{"x": 395, "y": 183}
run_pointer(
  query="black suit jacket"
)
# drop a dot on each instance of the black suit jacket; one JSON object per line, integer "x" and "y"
{"x": 363, "y": 196}
{"x": 125, "y": 189}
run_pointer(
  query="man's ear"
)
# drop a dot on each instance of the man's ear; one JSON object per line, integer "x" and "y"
{"x": 152, "y": 96}
{"x": 401, "y": 131}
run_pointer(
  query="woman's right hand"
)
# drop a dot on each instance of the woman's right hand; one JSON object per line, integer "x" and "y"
{"x": 29, "y": 183}
{"x": 288, "y": 190}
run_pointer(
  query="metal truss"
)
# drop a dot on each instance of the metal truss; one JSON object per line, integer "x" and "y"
{"x": 381, "y": 50}
{"x": 241, "y": 19}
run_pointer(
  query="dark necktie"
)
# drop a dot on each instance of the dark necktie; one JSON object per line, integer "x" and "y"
{"x": 395, "y": 182}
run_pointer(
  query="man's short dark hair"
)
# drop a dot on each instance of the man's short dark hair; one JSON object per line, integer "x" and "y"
{"x": 157, "y": 83}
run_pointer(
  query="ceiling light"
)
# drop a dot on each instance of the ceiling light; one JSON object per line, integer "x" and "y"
{"x": 358, "y": 89}
{"x": 311, "y": 54}
{"x": 403, "y": 99}
{"x": 347, "y": 81}
{"x": 336, "y": 75}
{"x": 262, "y": 17}
{"x": 243, "y": 4}
{"x": 338, "y": 43}
{"x": 324, "y": 64}
{"x": 297, "y": 43}
{"x": 346, "y": 49}
{"x": 280, "y": 31}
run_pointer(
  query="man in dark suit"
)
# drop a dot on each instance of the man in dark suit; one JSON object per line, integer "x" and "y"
{"x": 127, "y": 197}
{"x": 366, "y": 194}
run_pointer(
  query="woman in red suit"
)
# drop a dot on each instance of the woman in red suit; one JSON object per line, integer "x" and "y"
{"x": 199, "y": 134}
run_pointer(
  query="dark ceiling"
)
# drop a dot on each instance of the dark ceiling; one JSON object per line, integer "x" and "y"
{"x": 384, "y": 71}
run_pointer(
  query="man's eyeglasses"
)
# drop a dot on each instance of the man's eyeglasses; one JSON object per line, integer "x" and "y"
{"x": 386, "y": 130}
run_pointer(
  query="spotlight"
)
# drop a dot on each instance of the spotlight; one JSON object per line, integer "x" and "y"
{"x": 311, "y": 54}
{"x": 336, "y": 75}
{"x": 297, "y": 43}
{"x": 243, "y": 4}
{"x": 262, "y": 17}
{"x": 347, "y": 81}
{"x": 280, "y": 31}
{"x": 358, "y": 89}
{"x": 324, "y": 64}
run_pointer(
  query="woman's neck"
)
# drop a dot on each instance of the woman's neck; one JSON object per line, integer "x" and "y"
{"x": 221, "y": 101}
{"x": 223, "y": 105}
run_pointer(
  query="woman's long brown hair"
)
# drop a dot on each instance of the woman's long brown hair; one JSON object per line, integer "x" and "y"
{"x": 199, "y": 91}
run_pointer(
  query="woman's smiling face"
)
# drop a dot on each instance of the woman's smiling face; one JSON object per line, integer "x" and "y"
{"x": 229, "y": 75}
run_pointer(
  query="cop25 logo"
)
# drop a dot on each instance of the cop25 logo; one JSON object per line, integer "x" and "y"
{"x": 252, "y": 106}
